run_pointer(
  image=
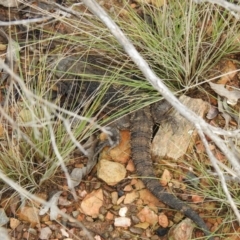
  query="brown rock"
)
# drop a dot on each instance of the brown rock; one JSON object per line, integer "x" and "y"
{"x": 128, "y": 188}
{"x": 45, "y": 233}
{"x": 130, "y": 166}
{"x": 182, "y": 231}
{"x": 4, "y": 234}
{"x": 148, "y": 215}
{"x": 163, "y": 220}
{"x": 114, "y": 197}
{"x": 26, "y": 235}
{"x": 109, "y": 216}
{"x": 131, "y": 197}
{"x": 14, "y": 223}
{"x": 120, "y": 200}
{"x": 92, "y": 203}
{"x": 111, "y": 172}
{"x": 29, "y": 214}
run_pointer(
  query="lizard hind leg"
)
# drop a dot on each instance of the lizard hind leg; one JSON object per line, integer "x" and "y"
{"x": 159, "y": 110}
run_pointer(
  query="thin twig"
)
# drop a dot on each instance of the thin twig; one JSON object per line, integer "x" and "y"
{"x": 24, "y": 22}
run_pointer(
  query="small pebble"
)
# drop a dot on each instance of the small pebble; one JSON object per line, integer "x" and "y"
{"x": 89, "y": 219}
{"x": 120, "y": 193}
{"x": 126, "y": 235}
{"x": 123, "y": 211}
{"x": 135, "y": 219}
{"x": 75, "y": 213}
{"x": 101, "y": 217}
{"x": 148, "y": 232}
{"x": 116, "y": 207}
{"x": 114, "y": 197}
{"x": 122, "y": 222}
{"x": 106, "y": 193}
{"x": 136, "y": 230}
{"x": 32, "y": 231}
{"x": 162, "y": 231}
{"x": 132, "y": 209}
{"x": 109, "y": 206}
{"x": 97, "y": 185}
{"x": 103, "y": 210}
{"x": 105, "y": 235}
{"x": 115, "y": 234}
{"x": 20, "y": 228}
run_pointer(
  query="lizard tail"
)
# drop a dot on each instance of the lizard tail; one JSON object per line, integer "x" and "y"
{"x": 141, "y": 128}
{"x": 154, "y": 187}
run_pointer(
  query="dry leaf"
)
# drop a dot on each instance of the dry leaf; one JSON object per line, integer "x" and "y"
{"x": 52, "y": 205}
{"x": 78, "y": 174}
{"x": 14, "y": 202}
{"x": 212, "y": 113}
{"x": 64, "y": 232}
{"x": 14, "y": 223}
{"x": 221, "y": 109}
{"x": 3, "y": 217}
{"x": 200, "y": 147}
{"x": 231, "y": 70}
{"x": 12, "y": 55}
{"x": 231, "y": 95}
